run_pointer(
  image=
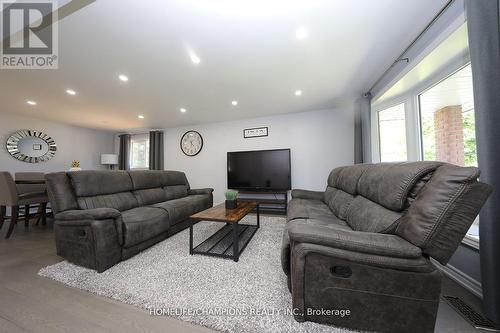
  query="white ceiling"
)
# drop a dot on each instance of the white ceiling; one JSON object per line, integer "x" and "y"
{"x": 248, "y": 52}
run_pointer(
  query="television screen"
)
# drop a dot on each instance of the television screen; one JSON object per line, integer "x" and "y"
{"x": 263, "y": 170}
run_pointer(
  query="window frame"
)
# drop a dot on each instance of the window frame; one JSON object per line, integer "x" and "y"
{"x": 411, "y": 100}
{"x": 137, "y": 137}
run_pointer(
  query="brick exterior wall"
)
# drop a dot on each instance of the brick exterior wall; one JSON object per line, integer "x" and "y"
{"x": 449, "y": 132}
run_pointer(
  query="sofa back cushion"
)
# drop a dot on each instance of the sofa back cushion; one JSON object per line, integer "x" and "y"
{"x": 389, "y": 184}
{"x": 90, "y": 183}
{"x": 120, "y": 201}
{"x": 60, "y": 191}
{"x": 147, "y": 179}
{"x": 150, "y": 196}
{"x": 443, "y": 211}
{"x": 368, "y": 216}
{"x": 177, "y": 185}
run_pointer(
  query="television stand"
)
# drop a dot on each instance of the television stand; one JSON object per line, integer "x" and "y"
{"x": 269, "y": 202}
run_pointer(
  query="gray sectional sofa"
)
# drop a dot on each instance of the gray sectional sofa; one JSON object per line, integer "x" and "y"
{"x": 103, "y": 217}
{"x": 365, "y": 244}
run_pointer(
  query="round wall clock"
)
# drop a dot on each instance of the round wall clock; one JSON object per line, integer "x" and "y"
{"x": 191, "y": 143}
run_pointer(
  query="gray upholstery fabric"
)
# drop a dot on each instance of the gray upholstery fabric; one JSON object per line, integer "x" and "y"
{"x": 377, "y": 265}
{"x": 388, "y": 184}
{"x": 313, "y": 209}
{"x": 340, "y": 202}
{"x": 208, "y": 191}
{"x": 150, "y": 196}
{"x": 60, "y": 192}
{"x": 305, "y": 194}
{"x": 175, "y": 191}
{"x": 142, "y": 179}
{"x": 364, "y": 242}
{"x": 88, "y": 183}
{"x": 88, "y": 214}
{"x": 120, "y": 201}
{"x": 366, "y": 215}
{"x": 102, "y": 217}
{"x": 346, "y": 178}
{"x": 143, "y": 223}
{"x": 180, "y": 209}
{"x": 176, "y": 178}
{"x": 441, "y": 215}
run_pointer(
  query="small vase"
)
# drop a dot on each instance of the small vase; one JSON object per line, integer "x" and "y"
{"x": 231, "y": 204}
{"x": 75, "y": 169}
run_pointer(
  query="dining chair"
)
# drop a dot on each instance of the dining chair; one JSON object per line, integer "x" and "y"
{"x": 32, "y": 182}
{"x": 10, "y": 196}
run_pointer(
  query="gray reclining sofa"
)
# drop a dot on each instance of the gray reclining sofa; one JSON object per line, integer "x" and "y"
{"x": 365, "y": 244}
{"x": 103, "y": 217}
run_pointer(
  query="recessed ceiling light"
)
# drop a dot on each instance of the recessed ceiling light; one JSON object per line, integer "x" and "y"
{"x": 31, "y": 102}
{"x": 234, "y": 103}
{"x": 194, "y": 58}
{"x": 298, "y": 93}
{"x": 123, "y": 78}
{"x": 301, "y": 33}
{"x": 140, "y": 116}
{"x": 70, "y": 92}
{"x": 183, "y": 110}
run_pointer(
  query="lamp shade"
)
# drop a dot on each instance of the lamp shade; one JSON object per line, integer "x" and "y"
{"x": 110, "y": 159}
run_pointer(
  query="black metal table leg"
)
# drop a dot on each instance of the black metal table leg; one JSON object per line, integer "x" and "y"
{"x": 191, "y": 238}
{"x": 258, "y": 216}
{"x": 236, "y": 250}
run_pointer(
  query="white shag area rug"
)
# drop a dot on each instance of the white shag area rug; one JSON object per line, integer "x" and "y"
{"x": 246, "y": 296}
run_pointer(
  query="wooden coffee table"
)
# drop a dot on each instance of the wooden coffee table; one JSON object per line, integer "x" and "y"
{"x": 231, "y": 239}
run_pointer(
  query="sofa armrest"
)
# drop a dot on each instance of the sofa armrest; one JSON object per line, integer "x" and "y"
{"x": 364, "y": 242}
{"x": 201, "y": 191}
{"x": 88, "y": 214}
{"x": 310, "y": 195}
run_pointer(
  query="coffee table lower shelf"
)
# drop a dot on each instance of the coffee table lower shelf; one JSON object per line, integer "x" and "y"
{"x": 221, "y": 243}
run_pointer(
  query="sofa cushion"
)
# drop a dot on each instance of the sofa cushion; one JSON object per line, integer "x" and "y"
{"x": 143, "y": 223}
{"x": 368, "y": 216}
{"x": 176, "y": 178}
{"x": 338, "y": 201}
{"x": 175, "y": 191}
{"x": 180, "y": 209}
{"x": 346, "y": 178}
{"x": 314, "y": 210}
{"x": 150, "y": 196}
{"x": 442, "y": 213}
{"x": 145, "y": 179}
{"x": 120, "y": 201}
{"x": 389, "y": 184}
{"x": 90, "y": 183}
{"x": 60, "y": 192}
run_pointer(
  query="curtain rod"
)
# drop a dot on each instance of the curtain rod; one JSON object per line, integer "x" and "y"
{"x": 402, "y": 55}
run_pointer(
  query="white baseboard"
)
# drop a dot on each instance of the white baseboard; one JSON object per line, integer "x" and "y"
{"x": 461, "y": 278}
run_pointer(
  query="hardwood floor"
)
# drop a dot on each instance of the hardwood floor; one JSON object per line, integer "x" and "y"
{"x": 29, "y": 303}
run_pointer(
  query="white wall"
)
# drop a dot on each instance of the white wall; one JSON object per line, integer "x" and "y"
{"x": 73, "y": 143}
{"x": 319, "y": 141}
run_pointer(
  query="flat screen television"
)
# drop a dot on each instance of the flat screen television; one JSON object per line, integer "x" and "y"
{"x": 260, "y": 170}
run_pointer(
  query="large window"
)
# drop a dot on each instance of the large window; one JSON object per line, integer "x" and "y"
{"x": 392, "y": 134}
{"x": 139, "y": 151}
{"x": 447, "y": 120}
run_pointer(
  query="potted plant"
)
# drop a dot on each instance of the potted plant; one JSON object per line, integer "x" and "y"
{"x": 75, "y": 166}
{"x": 231, "y": 196}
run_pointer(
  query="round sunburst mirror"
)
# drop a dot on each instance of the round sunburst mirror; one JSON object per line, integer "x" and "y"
{"x": 31, "y": 146}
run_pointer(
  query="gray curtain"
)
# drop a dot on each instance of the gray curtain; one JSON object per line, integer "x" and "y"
{"x": 156, "y": 150}
{"x": 362, "y": 131}
{"x": 124, "y": 155}
{"x": 484, "y": 44}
